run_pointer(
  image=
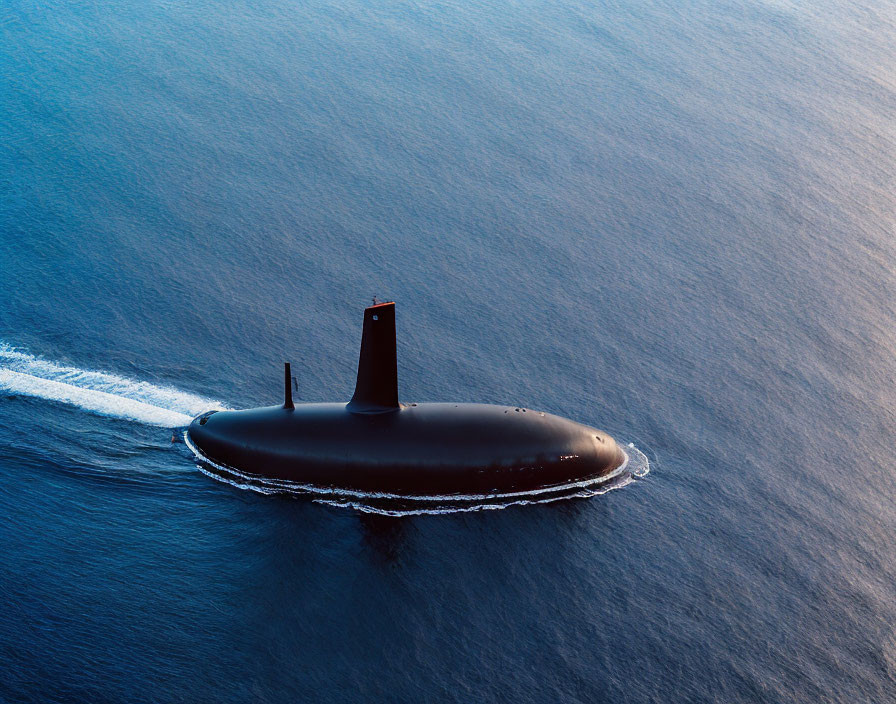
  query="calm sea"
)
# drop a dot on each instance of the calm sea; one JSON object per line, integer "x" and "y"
{"x": 675, "y": 221}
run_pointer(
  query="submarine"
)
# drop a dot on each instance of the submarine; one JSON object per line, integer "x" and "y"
{"x": 374, "y": 444}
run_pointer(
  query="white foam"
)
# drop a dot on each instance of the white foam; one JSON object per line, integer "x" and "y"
{"x": 98, "y": 392}
{"x": 616, "y": 482}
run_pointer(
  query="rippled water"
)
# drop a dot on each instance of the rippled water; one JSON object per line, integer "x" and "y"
{"x": 674, "y": 222}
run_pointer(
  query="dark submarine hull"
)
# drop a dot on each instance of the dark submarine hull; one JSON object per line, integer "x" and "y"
{"x": 421, "y": 449}
{"x": 376, "y": 445}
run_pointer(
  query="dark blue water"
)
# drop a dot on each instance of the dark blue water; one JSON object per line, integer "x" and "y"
{"x": 674, "y": 221}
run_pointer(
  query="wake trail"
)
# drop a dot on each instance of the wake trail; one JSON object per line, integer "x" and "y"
{"x": 103, "y": 393}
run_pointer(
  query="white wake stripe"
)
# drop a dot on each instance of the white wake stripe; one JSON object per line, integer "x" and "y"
{"x": 91, "y": 400}
{"x": 162, "y": 396}
{"x": 99, "y": 392}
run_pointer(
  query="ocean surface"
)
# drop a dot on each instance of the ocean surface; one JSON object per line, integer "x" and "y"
{"x": 675, "y": 221}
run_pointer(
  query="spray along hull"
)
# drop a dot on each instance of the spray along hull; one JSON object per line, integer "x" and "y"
{"x": 417, "y": 450}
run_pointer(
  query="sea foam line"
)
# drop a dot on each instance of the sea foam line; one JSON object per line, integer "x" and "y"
{"x": 98, "y": 392}
{"x": 617, "y": 482}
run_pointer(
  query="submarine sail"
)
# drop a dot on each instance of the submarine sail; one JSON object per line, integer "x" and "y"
{"x": 376, "y": 390}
